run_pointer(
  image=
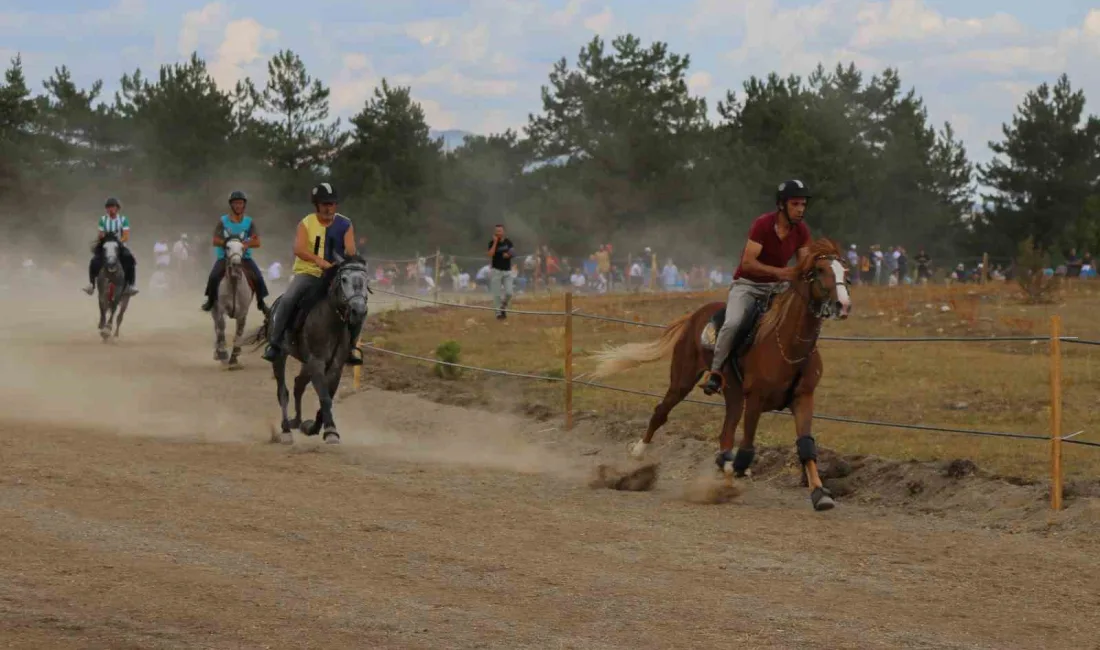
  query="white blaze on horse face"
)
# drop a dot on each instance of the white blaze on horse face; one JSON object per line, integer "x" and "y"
{"x": 110, "y": 251}
{"x": 841, "y": 288}
{"x": 234, "y": 250}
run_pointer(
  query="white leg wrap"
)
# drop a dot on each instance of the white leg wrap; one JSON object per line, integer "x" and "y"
{"x": 638, "y": 449}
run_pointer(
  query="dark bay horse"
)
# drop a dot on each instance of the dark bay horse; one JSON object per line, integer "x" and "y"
{"x": 775, "y": 363}
{"x": 319, "y": 336}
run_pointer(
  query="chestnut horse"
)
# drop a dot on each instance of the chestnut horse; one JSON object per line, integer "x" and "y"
{"x": 780, "y": 367}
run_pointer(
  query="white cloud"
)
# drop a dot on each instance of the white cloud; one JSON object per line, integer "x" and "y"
{"x": 436, "y": 116}
{"x": 354, "y": 83}
{"x": 200, "y": 23}
{"x": 902, "y": 21}
{"x": 241, "y": 47}
{"x": 429, "y": 33}
{"x": 565, "y": 17}
{"x": 700, "y": 82}
{"x": 600, "y": 22}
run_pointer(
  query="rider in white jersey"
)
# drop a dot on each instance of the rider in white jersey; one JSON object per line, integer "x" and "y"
{"x": 117, "y": 227}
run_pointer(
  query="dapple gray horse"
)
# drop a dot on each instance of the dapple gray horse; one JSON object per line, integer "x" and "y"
{"x": 110, "y": 283}
{"x": 319, "y": 336}
{"x": 234, "y": 299}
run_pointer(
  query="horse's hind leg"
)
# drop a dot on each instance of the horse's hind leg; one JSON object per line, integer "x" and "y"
{"x": 681, "y": 386}
{"x": 803, "y": 409}
{"x": 279, "y": 369}
{"x": 728, "y": 462}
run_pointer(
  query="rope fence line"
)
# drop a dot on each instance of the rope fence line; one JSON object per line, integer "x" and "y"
{"x": 1055, "y": 339}
{"x": 865, "y": 339}
{"x": 831, "y": 418}
{"x": 455, "y": 304}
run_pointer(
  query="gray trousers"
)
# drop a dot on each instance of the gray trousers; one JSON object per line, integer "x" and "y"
{"x": 300, "y": 285}
{"x": 497, "y": 278}
{"x": 743, "y": 293}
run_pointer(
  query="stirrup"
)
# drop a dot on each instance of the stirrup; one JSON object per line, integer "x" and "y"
{"x": 705, "y": 381}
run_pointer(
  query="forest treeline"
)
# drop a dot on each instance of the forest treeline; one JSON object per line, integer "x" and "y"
{"x": 620, "y": 151}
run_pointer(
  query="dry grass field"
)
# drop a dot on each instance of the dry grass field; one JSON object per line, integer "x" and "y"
{"x": 995, "y": 386}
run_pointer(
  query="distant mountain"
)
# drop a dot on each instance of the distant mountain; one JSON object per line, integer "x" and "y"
{"x": 452, "y": 138}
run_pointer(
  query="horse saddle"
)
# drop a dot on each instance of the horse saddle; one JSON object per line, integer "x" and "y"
{"x": 745, "y": 335}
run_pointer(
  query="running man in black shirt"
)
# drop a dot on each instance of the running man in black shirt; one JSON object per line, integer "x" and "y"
{"x": 501, "y": 250}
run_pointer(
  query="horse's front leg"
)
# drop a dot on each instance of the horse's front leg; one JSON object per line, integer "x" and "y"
{"x": 121, "y": 311}
{"x": 803, "y": 409}
{"x": 279, "y": 369}
{"x": 237, "y": 336}
{"x": 320, "y": 381}
{"x": 219, "y": 334}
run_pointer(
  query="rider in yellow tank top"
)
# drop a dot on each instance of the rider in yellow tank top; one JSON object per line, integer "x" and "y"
{"x": 322, "y": 240}
{"x": 317, "y": 246}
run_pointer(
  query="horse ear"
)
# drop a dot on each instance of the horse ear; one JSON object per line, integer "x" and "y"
{"x": 338, "y": 257}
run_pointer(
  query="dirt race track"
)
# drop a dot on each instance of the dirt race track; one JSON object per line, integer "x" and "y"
{"x": 143, "y": 506}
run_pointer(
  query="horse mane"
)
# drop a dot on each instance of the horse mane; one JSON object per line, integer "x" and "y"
{"x": 770, "y": 319}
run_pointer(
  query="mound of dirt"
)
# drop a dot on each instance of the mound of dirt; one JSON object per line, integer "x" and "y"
{"x": 637, "y": 479}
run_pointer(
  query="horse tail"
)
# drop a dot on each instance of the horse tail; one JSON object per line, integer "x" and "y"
{"x": 624, "y": 357}
{"x": 259, "y": 337}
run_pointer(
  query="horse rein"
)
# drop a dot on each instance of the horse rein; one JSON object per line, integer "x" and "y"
{"x": 820, "y": 313}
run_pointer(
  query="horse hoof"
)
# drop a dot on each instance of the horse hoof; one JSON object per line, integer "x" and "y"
{"x": 638, "y": 450}
{"x": 286, "y": 438}
{"x": 822, "y": 500}
{"x": 332, "y": 438}
{"x": 234, "y": 363}
{"x": 295, "y": 423}
{"x": 310, "y": 427}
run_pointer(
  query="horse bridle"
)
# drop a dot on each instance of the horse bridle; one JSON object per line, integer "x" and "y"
{"x": 822, "y": 309}
{"x": 342, "y": 307}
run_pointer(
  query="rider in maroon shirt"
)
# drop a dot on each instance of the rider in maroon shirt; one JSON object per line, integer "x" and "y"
{"x": 773, "y": 239}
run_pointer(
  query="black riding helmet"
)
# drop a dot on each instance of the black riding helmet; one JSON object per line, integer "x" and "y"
{"x": 792, "y": 189}
{"x": 236, "y": 195}
{"x": 112, "y": 201}
{"x": 324, "y": 193}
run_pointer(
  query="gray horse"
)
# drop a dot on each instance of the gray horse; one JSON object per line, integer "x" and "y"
{"x": 319, "y": 336}
{"x": 234, "y": 298}
{"x": 110, "y": 283}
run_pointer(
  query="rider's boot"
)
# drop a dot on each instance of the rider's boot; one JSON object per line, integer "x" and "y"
{"x": 89, "y": 289}
{"x": 209, "y": 304}
{"x": 355, "y": 356}
{"x": 261, "y": 305}
{"x": 130, "y": 290}
{"x": 271, "y": 353}
{"x": 714, "y": 383}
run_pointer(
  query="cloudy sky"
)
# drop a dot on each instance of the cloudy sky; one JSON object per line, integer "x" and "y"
{"x": 478, "y": 64}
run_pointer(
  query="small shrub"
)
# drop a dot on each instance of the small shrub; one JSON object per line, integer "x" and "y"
{"x": 1031, "y": 260}
{"x": 448, "y": 352}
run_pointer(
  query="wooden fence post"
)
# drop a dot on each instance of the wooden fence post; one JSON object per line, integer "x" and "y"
{"x": 1055, "y": 412}
{"x": 568, "y": 360}
{"x": 435, "y": 289}
{"x": 985, "y": 268}
{"x": 653, "y": 273}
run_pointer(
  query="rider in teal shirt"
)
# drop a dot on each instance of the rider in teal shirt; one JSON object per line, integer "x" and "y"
{"x": 235, "y": 224}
